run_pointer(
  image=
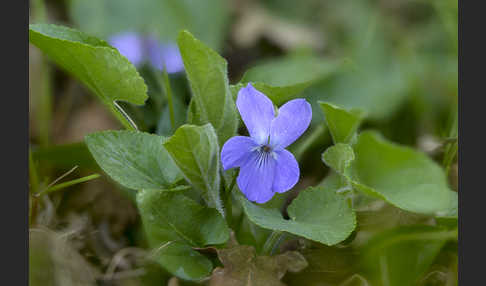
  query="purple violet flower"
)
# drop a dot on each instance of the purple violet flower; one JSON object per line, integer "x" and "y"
{"x": 129, "y": 45}
{"x": 266, "y": 167}
{"x": 139, "y": 49}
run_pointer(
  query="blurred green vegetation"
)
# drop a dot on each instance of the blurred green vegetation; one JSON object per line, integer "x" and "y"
{"x": 396, "y": 60}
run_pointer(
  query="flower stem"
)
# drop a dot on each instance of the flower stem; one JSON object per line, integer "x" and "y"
{"x": 273, "y": 241}
{"x": 229, "y": 201}
{"x": 168, "y": 93}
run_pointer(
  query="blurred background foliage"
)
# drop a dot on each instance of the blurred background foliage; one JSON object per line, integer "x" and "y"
{"x": 396, "y": 60}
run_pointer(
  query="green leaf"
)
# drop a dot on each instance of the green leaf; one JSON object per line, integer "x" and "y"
{"x": 342, "y": 123}
{"x": 195, "y": 150}
{"x": 136, "y": 160}
{"x": 164, "y": 18}
{"x": 171, "y": 216}
{"x": 317, "y": 213}
{"x": 402, "y": 255}
{"x": 401, "y": 175}
{"x": 99, "y": 66}
{"x": 339, "y": 157}
{"x": 212, "y": 101}
{"x": 285, "y": 78}
{"x": 182, "y": 261}
{"x": 174, "y": 224}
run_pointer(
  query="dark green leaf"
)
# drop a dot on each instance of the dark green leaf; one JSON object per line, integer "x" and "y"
{"x": 182, "y": 261}
{"x": 174, "y": 224}
{"x": 171, "y": 216}
{"x": 317, "y": 213}
{"x": 195, "y": 150}
{"x": 136, "y": 160}
{"x": 100, "y": 67}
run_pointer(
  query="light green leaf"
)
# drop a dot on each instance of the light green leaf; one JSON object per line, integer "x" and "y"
{"x": 401, "y": 175}
{"x": 195, "y": 150}
{"x": 338, "y": 157}
{"x": 402, "y": 255}
{"x": 99, "y": 66}
{"x": 212, "y": 101}
{"x": 136, "y": 160}
{"x": 329, "y": 223}
{"x": 164, "y": 18}
{"x": 342, "y": 123}
{"x": 285, "y": 78}
{"x": 174, "y": 224}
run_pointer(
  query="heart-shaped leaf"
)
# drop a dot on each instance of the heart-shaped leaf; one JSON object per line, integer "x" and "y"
{"x": 174, "y": 224}
{"x": 401, "y": 175}
{"x": 318, "y": 213}
{"x": 96, "y": 64}
{"x": 134, "y": 159}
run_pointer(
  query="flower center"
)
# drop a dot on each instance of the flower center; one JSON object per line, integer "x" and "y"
{"x": 266, "y": 148}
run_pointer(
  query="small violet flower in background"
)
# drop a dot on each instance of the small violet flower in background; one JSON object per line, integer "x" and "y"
{"x": 139, "y": 49}
{"x": 266, "y": 167}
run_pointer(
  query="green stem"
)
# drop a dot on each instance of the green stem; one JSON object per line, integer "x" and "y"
{"x": 168, "y": 92}
{"x": 68, "y": 184}
{"x": 229, "y": 201}
{"x": 273, "y": 241}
